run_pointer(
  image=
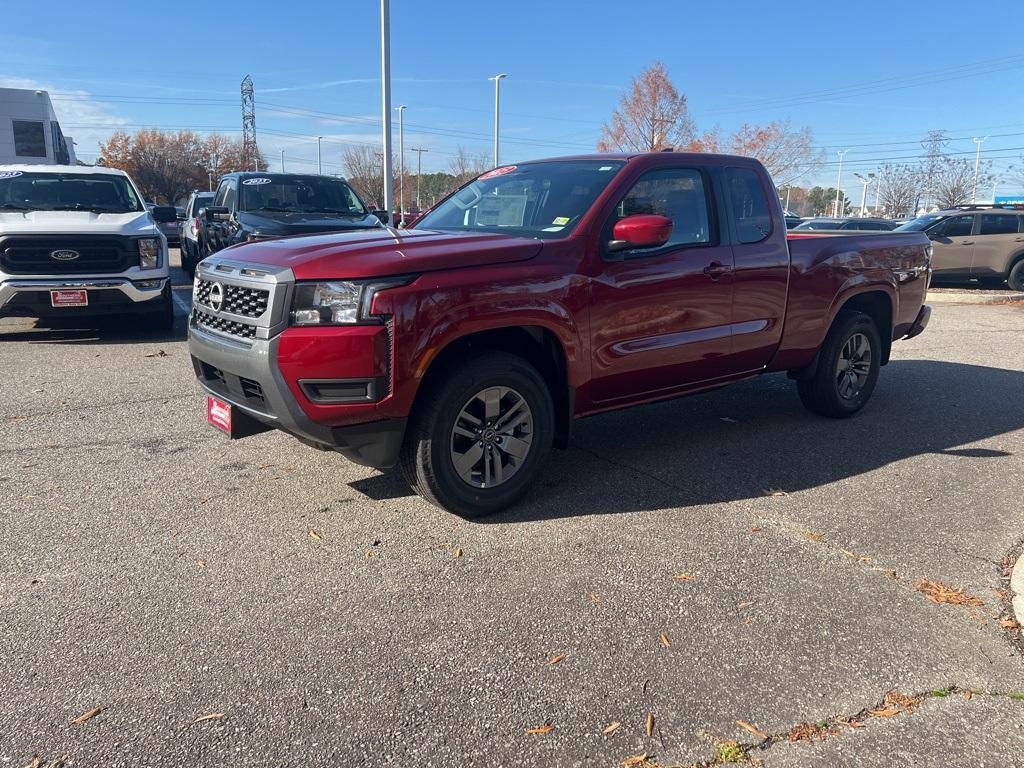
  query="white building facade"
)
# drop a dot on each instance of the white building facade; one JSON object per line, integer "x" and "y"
{"x": 29, "y": 131}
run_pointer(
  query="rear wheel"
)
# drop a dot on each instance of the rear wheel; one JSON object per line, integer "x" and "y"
{"x": 478, "y": 438}
{"x": 1016, "y": 278}
{"x": 847, "y": 369}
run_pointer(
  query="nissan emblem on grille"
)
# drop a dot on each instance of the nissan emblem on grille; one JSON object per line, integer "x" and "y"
{"x": 216, "y": 297}
{"x": 64, "y": 255}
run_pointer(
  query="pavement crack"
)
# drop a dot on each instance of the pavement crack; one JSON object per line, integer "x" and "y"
{"x": 96, "y": 406}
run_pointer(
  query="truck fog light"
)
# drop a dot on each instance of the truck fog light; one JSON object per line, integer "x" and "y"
{"x": 148, "y": 283}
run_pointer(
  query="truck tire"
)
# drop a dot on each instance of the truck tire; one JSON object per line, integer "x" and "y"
{"x": 479, "y": 435}
{"x": 1016, "y": 277}
{"x": 160, "y": 320}
{"x": 847, "y": 368}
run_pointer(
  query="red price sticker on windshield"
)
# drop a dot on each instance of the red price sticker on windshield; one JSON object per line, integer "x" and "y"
{"x": 498, "y": 172}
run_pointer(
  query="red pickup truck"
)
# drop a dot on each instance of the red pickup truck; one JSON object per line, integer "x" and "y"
{"x": 463, "y": 349}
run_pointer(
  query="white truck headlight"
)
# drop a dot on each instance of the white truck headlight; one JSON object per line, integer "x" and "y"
{"x": 149, "y": 252}
{"x": 339, "y": 302}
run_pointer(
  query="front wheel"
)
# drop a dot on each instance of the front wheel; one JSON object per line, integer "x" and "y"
{"x": 847, "y": 369}
{"x": 479, "y": 436}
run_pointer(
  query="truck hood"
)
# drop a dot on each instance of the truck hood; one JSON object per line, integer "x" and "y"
{"x": 382, "y": 252}
{"x": 283, "y": 223}
{"x": 76, "y": 222}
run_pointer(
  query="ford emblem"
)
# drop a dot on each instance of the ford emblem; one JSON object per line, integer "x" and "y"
{"x": 64, "y": 255}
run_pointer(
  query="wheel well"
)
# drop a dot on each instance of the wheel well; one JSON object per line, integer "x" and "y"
{"x": 878, "y": 307}
{"x": 537, "y": 345}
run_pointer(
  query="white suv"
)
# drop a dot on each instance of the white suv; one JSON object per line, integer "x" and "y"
{"x": 78, "y": 240}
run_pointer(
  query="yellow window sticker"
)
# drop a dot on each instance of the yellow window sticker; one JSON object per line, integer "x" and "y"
{"x": 561, "y": 220}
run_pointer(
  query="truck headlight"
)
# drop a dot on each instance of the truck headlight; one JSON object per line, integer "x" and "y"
{"x": 149, "y": 252}
{"x": 339, "y": 302}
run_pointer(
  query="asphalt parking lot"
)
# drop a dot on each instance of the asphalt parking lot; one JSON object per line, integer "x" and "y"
{"x": 725, "y": 577}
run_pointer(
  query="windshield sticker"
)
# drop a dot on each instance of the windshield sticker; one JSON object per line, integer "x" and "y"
{"x": 552, "y": 229}
{"x": 250, "y": 182}
{"x": 498, "y": 172}
{"x": 605, "y": 168}
{"x": 9, "y": 174}
{"x": 561, "y": 220}
{"x": 501, "y": 211}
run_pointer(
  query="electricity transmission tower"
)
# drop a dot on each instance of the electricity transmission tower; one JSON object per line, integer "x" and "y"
{"x": 250, "y": 154}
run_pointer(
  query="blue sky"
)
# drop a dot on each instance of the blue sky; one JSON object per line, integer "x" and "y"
{"x": 871, "y": 79}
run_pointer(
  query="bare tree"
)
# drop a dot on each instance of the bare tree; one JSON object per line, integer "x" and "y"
{"x": 900, "y": 188}
{"x": 953, "y": 183}
{"x": 786, "y": 153}
{"x": 651, "y": 116}
{"x": 465, "y": 166}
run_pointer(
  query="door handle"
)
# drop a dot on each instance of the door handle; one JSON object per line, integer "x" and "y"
{"x": 716, "y": 269}
{"x": 968, "y": 242}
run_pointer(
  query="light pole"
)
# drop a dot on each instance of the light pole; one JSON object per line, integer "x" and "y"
{"x": 401, "y": 164}
{"x": 385, "y": 77}
{"x": 878, "y": 190}
{"x": 866, "y": 181}
{"x": 497, "y": 103}
{"x": 319, "y": 161}
{"x": 282, "y": 161}
{"x": 977, "y": 165}
{"x": 419, "y": 172}
{"x": 839, "y": 181}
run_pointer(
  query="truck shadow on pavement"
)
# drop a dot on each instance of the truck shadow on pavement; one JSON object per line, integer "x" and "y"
{"x": 97, "y": 330}
{"x": 755, "y": 438}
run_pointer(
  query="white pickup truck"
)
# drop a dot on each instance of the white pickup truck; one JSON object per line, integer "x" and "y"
{"x": 78, "y": 240}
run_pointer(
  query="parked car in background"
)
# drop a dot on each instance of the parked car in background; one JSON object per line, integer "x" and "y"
{"x": 792, "y": 220}
{"x": 464, "y": 348}
{"x": 171, "y": 229}
{"x": 984, "y": 243}
{"x": 77, "y": 240}
{"x": 261, "y": 206}
{"x": 190, "y": 228}
{"x": 834, "y": 225}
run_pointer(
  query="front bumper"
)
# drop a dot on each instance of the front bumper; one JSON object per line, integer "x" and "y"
{"x": 31, "y": 297}
{"x": 247, "y": 375}
{"x": 923, "y": 316}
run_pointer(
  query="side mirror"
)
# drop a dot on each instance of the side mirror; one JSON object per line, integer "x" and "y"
{"x": 382, "y": 215}
{"x": 640, "y": 231}
{"x": 164, "y": 213}
{"x": 216, "y": 213}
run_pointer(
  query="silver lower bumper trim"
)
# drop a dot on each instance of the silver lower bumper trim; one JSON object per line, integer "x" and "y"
{"x": 9, "y": 288}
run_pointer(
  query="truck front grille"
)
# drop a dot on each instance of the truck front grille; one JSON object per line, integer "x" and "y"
{"x": 78, "y": 254}
{"x": 238, "y": 299}
{"x": 222, "y": 324}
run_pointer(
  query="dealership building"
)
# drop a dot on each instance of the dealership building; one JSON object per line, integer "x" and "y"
{"x": 29, "y": 131}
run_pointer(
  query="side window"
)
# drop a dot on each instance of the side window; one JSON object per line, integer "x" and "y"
{"x": 229, "y": 196}
{"x": 994, "y": 224}
{"x": 222, "y": 190}
{"x": 750, "y": 210}
{"x": 955, "y": 226}
{"x": 676, "y": 193}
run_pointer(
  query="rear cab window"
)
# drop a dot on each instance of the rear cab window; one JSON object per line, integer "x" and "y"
{"x": 751, "y": 215}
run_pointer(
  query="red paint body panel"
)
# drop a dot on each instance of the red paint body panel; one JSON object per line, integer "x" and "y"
{"x": 631, "y": 331}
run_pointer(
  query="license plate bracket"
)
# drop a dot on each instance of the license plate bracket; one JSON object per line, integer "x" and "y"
{"x": 78, "y": 297}
{"x": 231, "y": 420}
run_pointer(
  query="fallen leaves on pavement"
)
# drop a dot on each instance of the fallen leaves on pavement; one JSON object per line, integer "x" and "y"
{"x": 643, "y": 759}
{"x": 611, "y": 728}
{"x": 809, "y": 732}
{"x": 86, "y": 716}
{"x": 752, "y": 729}
{"x": 211, "y": 716}
{"x": 594, "y": 598}
{"x": 1008, "y": 623}
{"x": 649, "y": 725}
{"x": 540, "y": 730}
{"x": 458, "y": 552}
{"x": 893, "y": 704}
{"x": 315, "y": 535}
{"x": 814, "y": 536}
{"x": 938, "y": 592}
{"x": 555, "y": 659}
{"x": 664, "y": 640}
{"x": 683, "y": 577}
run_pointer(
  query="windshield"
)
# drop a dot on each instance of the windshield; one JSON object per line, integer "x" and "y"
{"x": 916, "y": 225}
{"x": 544, "y": 200}
{"x": 310, "y": 194}
{"x": 102, "y": 193}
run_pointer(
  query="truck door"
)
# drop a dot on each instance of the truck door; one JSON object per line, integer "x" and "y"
{"x": 953, "y": 246}
{"x": 222, "y": 232}
{"x": 761, "y": 269}
{"x": 660, "y": 318}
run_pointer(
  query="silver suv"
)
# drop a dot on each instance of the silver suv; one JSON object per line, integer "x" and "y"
{"x": 983, "y": 243}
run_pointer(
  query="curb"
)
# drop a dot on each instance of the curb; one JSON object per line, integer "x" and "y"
{"x": 972, "y": 297}
{"x": 1017, "y": 587}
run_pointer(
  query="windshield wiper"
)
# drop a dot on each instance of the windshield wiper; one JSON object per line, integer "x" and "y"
{"x": 341, "y": 211}
{"x": 271, "y": 208}
{"x": 83, "y": 207}
{"x": 14, "y": 207}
